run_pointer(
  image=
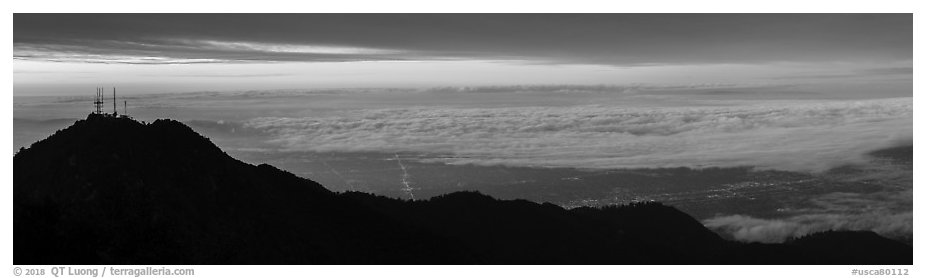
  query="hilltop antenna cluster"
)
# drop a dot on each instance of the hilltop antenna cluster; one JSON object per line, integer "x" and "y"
{"x": 98, "y": 102}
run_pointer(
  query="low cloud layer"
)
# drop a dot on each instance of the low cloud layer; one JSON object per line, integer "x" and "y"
{"x": 805, "y": 136}
{"x": 749, "y": 229}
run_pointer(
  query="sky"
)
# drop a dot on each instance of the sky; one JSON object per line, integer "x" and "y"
{"x": 844, "y": 55}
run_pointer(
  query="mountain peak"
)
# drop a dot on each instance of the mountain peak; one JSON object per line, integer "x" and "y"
{"x": 118, "y": 150}
{"x": 109, "y": 134}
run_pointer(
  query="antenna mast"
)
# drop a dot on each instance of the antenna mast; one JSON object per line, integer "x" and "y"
{"x": 98, "y": 102}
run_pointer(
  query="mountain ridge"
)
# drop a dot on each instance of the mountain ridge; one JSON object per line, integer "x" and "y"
{"x": 112, "y": 190}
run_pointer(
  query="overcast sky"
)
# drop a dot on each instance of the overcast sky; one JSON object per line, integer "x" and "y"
{"x": 145, "y": 53}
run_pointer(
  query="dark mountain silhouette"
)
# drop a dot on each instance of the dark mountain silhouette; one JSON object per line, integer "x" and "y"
{"x": 116, "y": 191}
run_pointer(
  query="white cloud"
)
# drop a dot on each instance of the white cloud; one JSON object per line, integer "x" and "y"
{"x": 782, "y": 135}
{"x": 749, "y": 229}
{"x": 26, "y": 53}
{"x": 186, "y": 51}
{"x": 286, "y": 48}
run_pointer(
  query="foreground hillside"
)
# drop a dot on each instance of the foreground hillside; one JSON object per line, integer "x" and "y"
{"x": 116, "y": 191}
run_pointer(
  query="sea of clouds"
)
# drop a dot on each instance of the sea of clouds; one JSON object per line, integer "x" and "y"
{"x": 750, "y": 229}
{"x": 786, "y": 135}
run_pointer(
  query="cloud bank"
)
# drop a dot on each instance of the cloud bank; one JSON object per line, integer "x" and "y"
{"x": 805, "y": 136}
{"x": 749, "y": 229}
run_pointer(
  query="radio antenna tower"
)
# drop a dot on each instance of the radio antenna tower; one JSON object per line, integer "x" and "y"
{"x": 114, "y": 102}
{"x": 98, "y": 102}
